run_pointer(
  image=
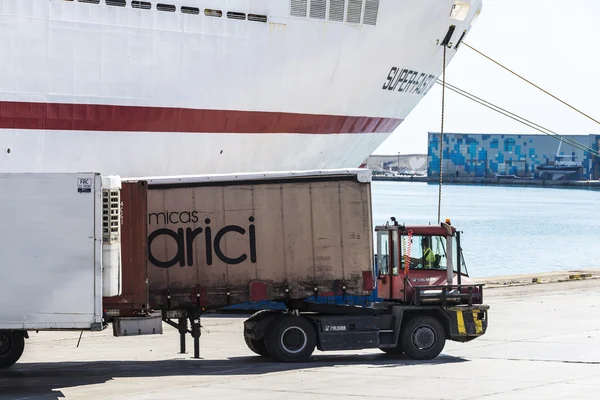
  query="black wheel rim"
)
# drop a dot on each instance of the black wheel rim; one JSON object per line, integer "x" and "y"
{"x": 6, "y": 343}
{"x": 424, "y": 338}
{"x": 293, "y": 340}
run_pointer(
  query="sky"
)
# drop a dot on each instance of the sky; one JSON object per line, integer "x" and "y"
{"x": 553, "y": 43}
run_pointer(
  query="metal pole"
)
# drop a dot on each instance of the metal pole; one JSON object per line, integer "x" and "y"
{"x": 182, "y": 333}
{"x": 458, "y": 258}
{"x": 449, "y": 263}
{"x": 196, "y": 335}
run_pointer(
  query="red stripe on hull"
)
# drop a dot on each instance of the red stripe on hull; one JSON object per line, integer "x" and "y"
{"x": 92, "y": 117}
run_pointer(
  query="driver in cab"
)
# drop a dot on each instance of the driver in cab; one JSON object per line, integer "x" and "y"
{"x": 429, "y": 258}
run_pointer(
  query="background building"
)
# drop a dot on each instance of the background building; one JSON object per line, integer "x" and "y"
{"x": 516, "y": 156}
{"x": 402, "y": 163}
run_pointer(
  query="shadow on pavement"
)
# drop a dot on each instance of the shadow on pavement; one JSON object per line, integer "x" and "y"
{"x": 41, "y": 380}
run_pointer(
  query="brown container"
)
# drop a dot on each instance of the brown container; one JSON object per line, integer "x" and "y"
{"x": 134, "y": 233}
{"x": 212, "y": 244}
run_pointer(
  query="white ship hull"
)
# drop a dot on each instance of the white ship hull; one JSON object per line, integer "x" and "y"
{"x": 138, "y": 92}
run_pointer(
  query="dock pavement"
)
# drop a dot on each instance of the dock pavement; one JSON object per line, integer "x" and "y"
{"x": 543, "y": 342}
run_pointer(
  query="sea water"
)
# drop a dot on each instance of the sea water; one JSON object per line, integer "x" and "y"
{"x": 506, "y": 230}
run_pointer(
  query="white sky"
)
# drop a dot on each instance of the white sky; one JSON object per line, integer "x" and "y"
{"x": 554, "y": 43}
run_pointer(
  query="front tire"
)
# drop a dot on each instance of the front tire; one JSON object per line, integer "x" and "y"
{"x": 291, "y": 339}
{"x": 423, "y": 338}
{"x": 12, "y": 344}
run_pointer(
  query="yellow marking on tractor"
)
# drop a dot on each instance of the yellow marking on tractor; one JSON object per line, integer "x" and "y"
{"x": 460, "y": 322}
{"x": 478, "y": 323}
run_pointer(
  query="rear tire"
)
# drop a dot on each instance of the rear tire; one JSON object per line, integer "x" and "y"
{"x": 257, "y": 346}
{"x": 423, "y": 338}
{"x": 291, "y": 339}
{"x": 12, "y": 344}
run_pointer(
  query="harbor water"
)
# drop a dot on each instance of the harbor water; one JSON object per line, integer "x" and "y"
{"x": 506, "y": 230}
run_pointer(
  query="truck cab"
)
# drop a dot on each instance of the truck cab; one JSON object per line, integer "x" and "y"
{"x": 424, "y": 297}
{"x": 422, "y": 264}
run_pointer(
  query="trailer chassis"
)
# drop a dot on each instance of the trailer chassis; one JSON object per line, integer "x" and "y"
{"x": 417, "y": 330}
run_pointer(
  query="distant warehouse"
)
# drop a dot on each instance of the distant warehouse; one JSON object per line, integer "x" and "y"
{"x": 513, "y": 156}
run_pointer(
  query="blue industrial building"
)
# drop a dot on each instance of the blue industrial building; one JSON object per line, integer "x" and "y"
{"x": 513, "y": 156}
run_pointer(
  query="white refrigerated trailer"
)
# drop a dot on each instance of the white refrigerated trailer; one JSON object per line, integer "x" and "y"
{"x": 59, "y": 254}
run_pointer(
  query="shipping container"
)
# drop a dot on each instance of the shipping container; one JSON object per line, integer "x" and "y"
{"x": 215, "y": 241}
{"x": 134, "y": 250}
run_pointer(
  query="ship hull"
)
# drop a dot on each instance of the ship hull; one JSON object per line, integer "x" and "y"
{"x": 136, "y": 92}
{"x": 137, "y": 154}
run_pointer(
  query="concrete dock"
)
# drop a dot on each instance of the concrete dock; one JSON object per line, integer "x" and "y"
{"x": 543, "y": 342}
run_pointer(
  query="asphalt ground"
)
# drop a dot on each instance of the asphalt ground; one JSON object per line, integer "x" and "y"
{"x": 543, "y": 342}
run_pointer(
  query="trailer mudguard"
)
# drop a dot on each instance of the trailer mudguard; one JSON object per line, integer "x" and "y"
{"x": 256, "y": 325}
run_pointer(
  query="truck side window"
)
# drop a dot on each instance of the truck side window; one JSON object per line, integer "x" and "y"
{"x": 439, "y": 249}
{"x": 383, "y": 248}
{"x": 396, "y": 252}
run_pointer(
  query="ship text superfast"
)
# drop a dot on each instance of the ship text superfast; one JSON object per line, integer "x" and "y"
{"x": 408, "y": 81}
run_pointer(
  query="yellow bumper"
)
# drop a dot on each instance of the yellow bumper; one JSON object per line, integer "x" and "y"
{"x": 468, "y": 323}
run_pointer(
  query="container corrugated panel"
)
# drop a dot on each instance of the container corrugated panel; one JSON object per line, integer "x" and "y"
{"x": 228, "y": 243}
{"x": 134, "y": 233}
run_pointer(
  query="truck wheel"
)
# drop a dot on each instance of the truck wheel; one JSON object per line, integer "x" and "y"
{"x": 291, "y": 339}
{"x": 257, "y": 346}
{"x": 12, "y": 345}
{"x": 423, "y": 338}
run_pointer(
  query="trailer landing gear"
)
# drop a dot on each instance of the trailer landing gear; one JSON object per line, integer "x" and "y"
{"x": 12, "y": 344}
{"x": 182, "y": 327}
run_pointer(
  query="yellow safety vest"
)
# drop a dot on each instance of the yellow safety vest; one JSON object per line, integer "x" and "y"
{"x": 429, "y": 258}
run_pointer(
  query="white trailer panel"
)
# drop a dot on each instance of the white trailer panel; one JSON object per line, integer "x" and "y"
{"x": 50, "y": 251}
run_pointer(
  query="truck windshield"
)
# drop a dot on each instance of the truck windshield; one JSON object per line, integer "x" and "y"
{"x": 429, "y": 252}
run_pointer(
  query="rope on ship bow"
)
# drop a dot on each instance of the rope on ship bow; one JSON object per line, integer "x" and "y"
{"x": 562, "y": 138}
